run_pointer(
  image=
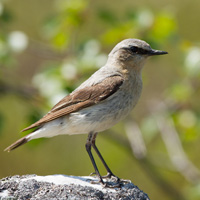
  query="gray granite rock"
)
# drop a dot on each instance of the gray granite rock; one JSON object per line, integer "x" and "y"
{"x": 64, "y": 187}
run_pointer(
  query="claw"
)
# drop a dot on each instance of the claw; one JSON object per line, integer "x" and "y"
{"x": 114, "y": 182}
{"x": 112, "y": 177}
{"x": 108, "y": 175}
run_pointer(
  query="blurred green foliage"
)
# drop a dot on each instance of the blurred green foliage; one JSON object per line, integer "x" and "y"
{"x": 45, "y": 57}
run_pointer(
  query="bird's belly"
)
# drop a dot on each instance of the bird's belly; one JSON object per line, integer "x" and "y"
{"x": 95, "y": 118}
{"x": 102, "y": 116}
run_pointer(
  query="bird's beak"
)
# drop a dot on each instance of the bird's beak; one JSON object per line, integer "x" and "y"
{"x": 154, "y": 52}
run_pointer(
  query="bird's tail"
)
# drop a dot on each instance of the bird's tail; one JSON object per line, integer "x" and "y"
{"x": 18, "y": 143}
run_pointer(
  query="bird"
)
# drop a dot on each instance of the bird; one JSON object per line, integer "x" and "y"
{"x": 99, "y": 103}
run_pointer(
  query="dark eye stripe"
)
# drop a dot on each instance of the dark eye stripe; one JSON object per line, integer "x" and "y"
{"x": 136, "y": 50}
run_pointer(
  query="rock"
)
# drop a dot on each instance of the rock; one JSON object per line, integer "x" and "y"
{"x": 64, "y": 187}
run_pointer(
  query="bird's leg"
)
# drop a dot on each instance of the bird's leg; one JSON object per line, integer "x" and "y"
{"x": 91, "y": 143}
{"x": 109, "y": 172}
{"x": 88, "y": 148}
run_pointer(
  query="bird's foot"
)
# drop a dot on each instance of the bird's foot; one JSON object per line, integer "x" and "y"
{"x": 109, "y": 176}
{"x": 112, "y": 177}
{"x": 107, "y": 184}
{"x": 112, "y": 181}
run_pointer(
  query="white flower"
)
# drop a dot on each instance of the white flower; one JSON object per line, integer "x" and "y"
{"x": 18, "y": 41}
{"x": 68, "y": 71}
{"x": 192, "y": 61}
{"x": 145, "y": 18}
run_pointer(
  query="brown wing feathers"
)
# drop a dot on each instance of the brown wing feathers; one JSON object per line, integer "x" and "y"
{"x": 81, "y": 99}
{"x": 17, "y": 144}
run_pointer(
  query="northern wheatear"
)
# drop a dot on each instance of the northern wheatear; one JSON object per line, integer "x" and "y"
{"x": 100, "y": 102}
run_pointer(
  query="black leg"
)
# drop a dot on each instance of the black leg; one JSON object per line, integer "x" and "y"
{"x": 88, "y": 148}
{"x": 109, "y": 172}
{"x": 117, "y": 182}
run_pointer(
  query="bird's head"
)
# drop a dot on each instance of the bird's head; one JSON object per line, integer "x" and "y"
{"x": 132, "y": 53}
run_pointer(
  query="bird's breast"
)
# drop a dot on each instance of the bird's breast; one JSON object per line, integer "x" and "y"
{"x": 118, "y": 105}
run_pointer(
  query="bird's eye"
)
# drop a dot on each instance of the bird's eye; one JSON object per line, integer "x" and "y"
{"x": 138, "y": 50}
{"x": 134, "y": 49}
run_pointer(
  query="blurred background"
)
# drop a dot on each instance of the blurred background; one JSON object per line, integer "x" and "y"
{"x": 47, "y": 48}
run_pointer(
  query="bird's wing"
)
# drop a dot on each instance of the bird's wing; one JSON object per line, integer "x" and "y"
{"x": 82, "y": 98}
